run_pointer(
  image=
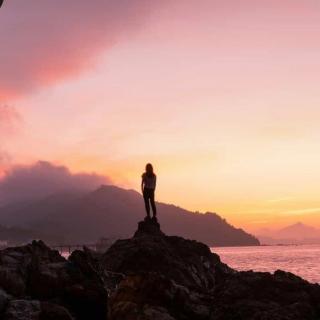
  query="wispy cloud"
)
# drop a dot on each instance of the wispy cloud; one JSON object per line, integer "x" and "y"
{"x": 284, "y": 199}
{"x": 301, "y": 211}
{"x": 10, "y": 119}
{"x": 4, "y": 159}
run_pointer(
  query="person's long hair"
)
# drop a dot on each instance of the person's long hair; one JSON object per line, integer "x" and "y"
{"x": 149, "y": 170}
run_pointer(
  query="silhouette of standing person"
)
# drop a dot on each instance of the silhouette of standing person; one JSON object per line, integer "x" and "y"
{"x": 148, "y": 186}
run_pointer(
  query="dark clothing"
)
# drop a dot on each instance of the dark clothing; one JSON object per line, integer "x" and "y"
{"x": 149, "y": 180}
{"x": 148, "y": 196}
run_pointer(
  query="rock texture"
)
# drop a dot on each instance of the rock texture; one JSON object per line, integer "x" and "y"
{"x": 38, "y": 282}
{"x": 150, "y": 276}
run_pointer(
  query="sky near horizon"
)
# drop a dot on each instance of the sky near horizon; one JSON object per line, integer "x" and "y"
{"x": 222, "y": 97}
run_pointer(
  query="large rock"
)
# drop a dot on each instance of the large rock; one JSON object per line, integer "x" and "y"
{"x": 187, "y": 262}
{"x": 16, "y": 264}
{"x": 148, "y": 277}
{"x": 51, "y": 311}
{"x": 35, "y": 310}
{"x": 174, "y": 278}
{"x": 155, "y": 297}
{"x": 164, "y": 277}
{"x": 149, "y": 227}
{"x": 87, "y": 293}
{"x": 4, "y": 300}
{"x": 38, "y": 272}
{"x": 23, "y": 310}
{"x": 261, "y": 295}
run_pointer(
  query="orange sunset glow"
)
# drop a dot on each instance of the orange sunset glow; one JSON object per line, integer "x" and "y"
{"x": 222, "y": 97}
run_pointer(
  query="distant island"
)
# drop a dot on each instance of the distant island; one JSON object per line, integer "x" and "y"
{"x": 298, "y": 233}
{"x": 110, "y": 211}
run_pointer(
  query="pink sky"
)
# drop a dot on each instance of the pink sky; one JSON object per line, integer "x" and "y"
{"x": 222, "y": 96}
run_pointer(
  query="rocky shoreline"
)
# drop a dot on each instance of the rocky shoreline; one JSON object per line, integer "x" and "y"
{"x": 148, "y": 277}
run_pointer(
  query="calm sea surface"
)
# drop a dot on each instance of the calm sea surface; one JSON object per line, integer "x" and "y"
{"x": 302, "y": 260}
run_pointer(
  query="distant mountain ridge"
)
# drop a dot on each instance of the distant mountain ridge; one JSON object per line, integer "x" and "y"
{"x": 112, "y": 211}
{"x": 298, "y": 233}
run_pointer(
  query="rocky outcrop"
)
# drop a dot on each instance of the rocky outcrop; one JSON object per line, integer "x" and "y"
{"x": 174, "y": 278}
{"x": 148, "y": 277}
{"x": 261, "y": 295}
{"x": 165, "y": 277}
{"x": 38, "y": 282}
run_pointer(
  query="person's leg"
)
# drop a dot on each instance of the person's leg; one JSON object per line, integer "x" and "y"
{"x": 146, "y": 202}
{"x": 153, "y": 205}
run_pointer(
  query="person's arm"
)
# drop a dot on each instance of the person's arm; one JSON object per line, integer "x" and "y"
{"x": 142, "y": 183}
{"x": 155, "y": 182}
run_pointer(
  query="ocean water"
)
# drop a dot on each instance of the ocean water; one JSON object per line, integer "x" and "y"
{"x": 302, "y": 260}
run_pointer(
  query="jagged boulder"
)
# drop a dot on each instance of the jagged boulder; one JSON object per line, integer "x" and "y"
{"x": 4, "y": 300}
{"x": 87, "y": 293}
{"x": 261, "y": 295}
{"x": 35, "y": 310}
{"x": 23, "y": 310}
{"x": 187, "y": 262}
{"x": 170, "y": 278}
{"x": 42, "y": 274}
{"x": 51, "y": 311}
{"x": 165, "y": 277}
{"x": 156, "y": 297}
{"x": 17, "y": 263}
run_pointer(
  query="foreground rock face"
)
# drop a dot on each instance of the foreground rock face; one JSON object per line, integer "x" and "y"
{"x": 37, "y": 283}
{"x": 150, "y": 276}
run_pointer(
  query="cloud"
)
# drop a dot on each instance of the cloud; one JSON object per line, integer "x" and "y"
{"x": 4, "y": 157}
{"x": 44, "y": 41}
{"x": 301, "y": 211}
{"x": 42, "y": 179}
{"x": 4, "y": 161}
{"x": 284, "y": 199}
{"x": 10, "y": 120}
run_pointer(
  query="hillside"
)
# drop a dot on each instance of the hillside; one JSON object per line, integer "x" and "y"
{"x": 110, "y": 211}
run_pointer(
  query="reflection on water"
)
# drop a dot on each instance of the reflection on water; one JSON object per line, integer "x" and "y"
{"x": 302, "y": 260}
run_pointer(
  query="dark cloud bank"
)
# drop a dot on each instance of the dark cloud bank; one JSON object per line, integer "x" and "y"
{"x": 42, "y": 179}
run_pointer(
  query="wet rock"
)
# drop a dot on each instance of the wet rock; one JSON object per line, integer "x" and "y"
{"x": 23, "y": 310}
{"x": 261, "y": 295}
{"x": 35, "y": 310}
{"x": 4, "y": 300}
{"x": 153, "y": 295}
{"x": 50, "y": 311}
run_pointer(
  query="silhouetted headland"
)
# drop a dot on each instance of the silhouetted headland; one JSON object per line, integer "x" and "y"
{"x": 150, "y": 276}
{"x": 85, "y": 217}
